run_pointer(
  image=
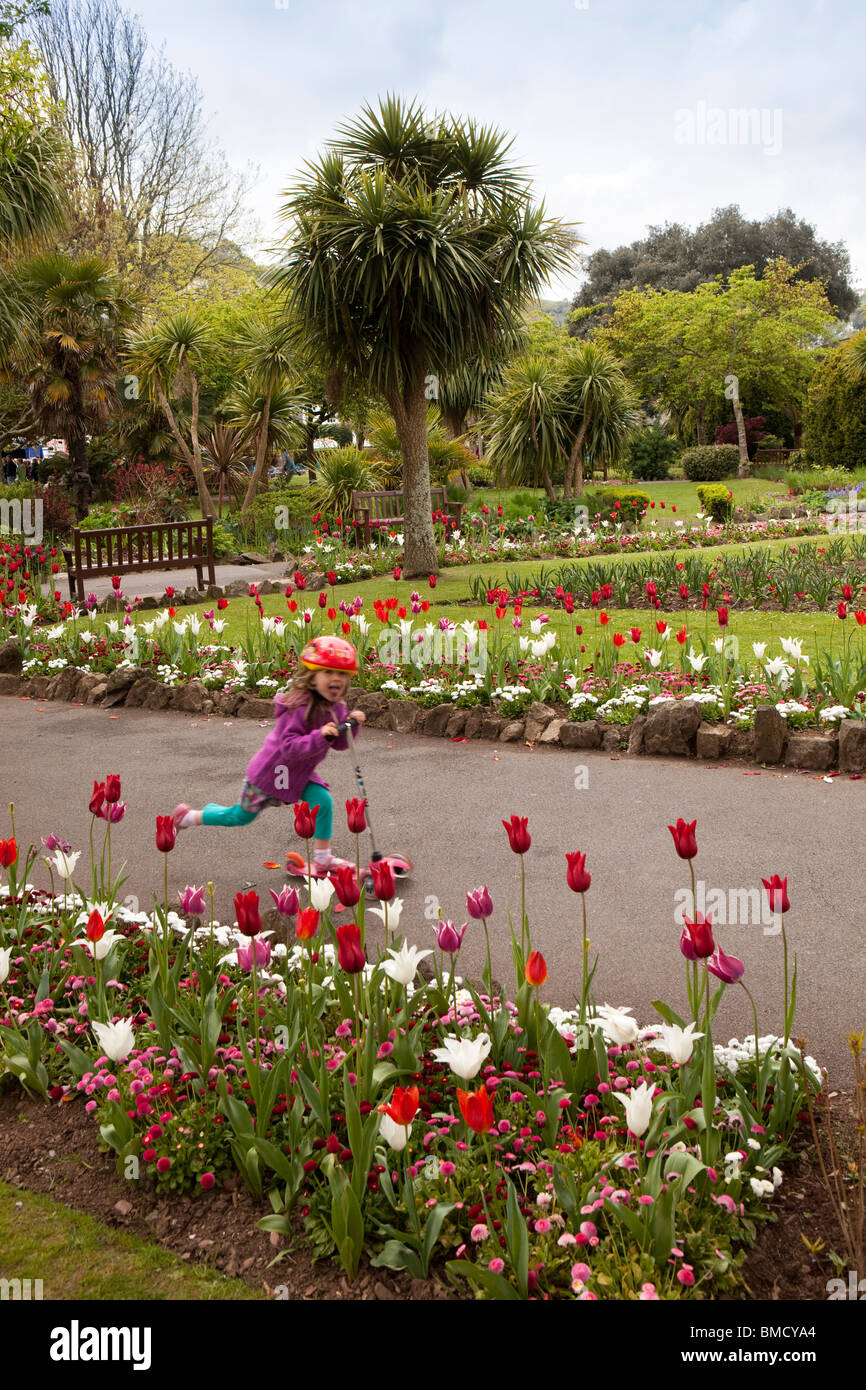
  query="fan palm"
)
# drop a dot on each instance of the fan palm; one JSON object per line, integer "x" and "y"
{"x": 166, "y": 356}
{"x": 413, "y": 246}
{"x": 70, "y": 366}
{"x": 32, "y": 206}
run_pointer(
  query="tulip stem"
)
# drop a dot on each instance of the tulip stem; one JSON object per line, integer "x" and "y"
{"x": 583, "y": 1009}
{"x": 758, "y": 1087}
{"x": 523, "y": 907}
{"x": 255, "y": 999}
{"x": 489, "y": 966}
{"x": 785, "y": 955}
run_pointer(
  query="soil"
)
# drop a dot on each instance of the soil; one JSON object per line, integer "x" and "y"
{"x": 55, "y": 1149}
{"x": 47, "y": 1149}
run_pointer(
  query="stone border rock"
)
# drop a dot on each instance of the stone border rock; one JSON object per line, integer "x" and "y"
{"x": 672, "y": 729}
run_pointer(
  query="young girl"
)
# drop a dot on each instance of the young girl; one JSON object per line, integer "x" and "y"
{"x": 306, "y": 728}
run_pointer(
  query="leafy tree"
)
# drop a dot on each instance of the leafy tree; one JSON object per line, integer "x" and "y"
{"x": 692, "y": 350}
{"x": 413, "y": 248}
{"x": 834, "y": 434}
{"x": 70, "y": 365}
{"x": 674, "y": 258}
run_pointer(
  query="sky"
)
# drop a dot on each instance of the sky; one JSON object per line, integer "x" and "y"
{"x": 623, "y": 112}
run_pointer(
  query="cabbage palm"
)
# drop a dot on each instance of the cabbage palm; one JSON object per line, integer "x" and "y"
{"x": 267, "y": 358}
{"x": 524, "y": 422}
{"x": 413, "y": 246}
{"x": 857, "y": 356}
{"x": 166, "y": 356}
{"x": 71, "y": 362}
{"x": 596, "y": 403}
{"x": 223, "y": 457}
{"x": 342, "y": 472}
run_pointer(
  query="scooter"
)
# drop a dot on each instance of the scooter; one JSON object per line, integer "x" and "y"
{"x": 401, "y": 867}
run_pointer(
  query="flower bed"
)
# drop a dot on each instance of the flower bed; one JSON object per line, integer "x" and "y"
{"x": 515, "y": 1148}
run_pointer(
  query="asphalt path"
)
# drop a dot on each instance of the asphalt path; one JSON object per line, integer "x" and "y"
{"x": 442, "y": 803}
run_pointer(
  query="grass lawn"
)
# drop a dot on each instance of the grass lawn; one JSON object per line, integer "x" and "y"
{"x": 677, "y": 492}
{"x": 77, "y": 1257}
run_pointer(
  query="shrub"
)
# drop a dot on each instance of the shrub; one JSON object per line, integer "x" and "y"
{"x": 798, "y": 459}
{"x": 480, "y": 475}
{"x": 522, "y": 503}
{"x": 716, "y": 499}
{"x": 835, "y": 415}
{"x": 628, "y": 503}
{"x": 651, "y": 454}
{"x": 342, "y": 472}
{"x": 708, "y": 463}
{"x": 756, "y": 433}
{"x": 224, "y": 541}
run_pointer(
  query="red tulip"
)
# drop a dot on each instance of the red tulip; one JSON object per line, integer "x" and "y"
{"x": 95, "y": 929}
{"x": 635, "y": 634}
{"x": 723, "y": 617}
{"x": 97, "y": 799}
{"x": 604, "y": 618}
{"x": 350, "y": 952}
{"x": 686, "y": 946}
{"x": 346, "y": 885}
{"x": 684, "y": 838}
{"x": 842, "y": 610}
{"x": 860, "y": 615}
{"x": 300, "y": 581}
{"x": 247, "y": 912}
{"x": 307, "y": 924}
{"x": 518, "y": 836}
{"x": 166, "y": 833}
{"x": 222, "y": 604}
{"x": 383, "y": 880}
{"x": 112, "y": 787}
{"x": 355, "y": 813}
{"x": 305, "y": 820}
{"x": 577, "y": 877}
{"x": 847, "y": 592}
{"x": 727, "y": 968}
{"x": 684, "y": 592}
{"x": 476, "y": 1107}
{"x": 618, "y": 639}
{"x": 701, "y": 933}
{"x": 397, "y": 571}
{"x": 8, "y": 853}
{"x": 432, "y": 581}
{"x": 536, "y": 970}
{"x": 404, "y": 1105}
{"x": 681, "y": 635}
{"x": 777, "y": 892}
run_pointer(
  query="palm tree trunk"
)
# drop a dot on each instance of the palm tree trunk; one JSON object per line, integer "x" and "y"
{"x": 261, "y": 455}
{"x": 205, "y": 500}
{"x": 409, "y": 409}
{"x": 195, "y": 465}
{"x": 573, "y": 486}
{"x": 743, "y": 471}
{"x": 76, "y": 446}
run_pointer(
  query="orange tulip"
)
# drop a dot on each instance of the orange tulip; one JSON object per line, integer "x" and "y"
{"x": 536, "y": 969}
{"x": 307, "y": 924}
{"x": 476, "y": 1107}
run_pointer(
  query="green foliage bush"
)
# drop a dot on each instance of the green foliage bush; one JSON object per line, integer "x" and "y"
{"x": 834, "y": 427}
{"x": 480, "y": 475}
{"x": 709, "y": 463}
{"x": 631, "y": 500}
{"x": 716, "y": 499}
{"x": 651, "y": 454}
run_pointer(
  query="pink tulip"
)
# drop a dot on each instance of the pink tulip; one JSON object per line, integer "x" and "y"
{"x": 726, "y": 968}
{"x": 113, "y": 811}
{"x": 288, "y": 901}
{"x": 192, "y": 901}
{"x": 479, "y": 904}
{"x": 448, "y": 938}
{"x": 257, "y": 949}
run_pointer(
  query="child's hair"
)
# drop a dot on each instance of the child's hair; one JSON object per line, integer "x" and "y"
{"x": 303, "y": 691}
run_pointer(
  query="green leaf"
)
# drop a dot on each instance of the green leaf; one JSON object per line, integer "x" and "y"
{"x": 517, "y": 1241}
{"x": 494, "y": 1284}
{"x": 396, "y": 1255}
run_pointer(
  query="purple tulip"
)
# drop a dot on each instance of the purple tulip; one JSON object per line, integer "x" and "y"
{"x": 726, "y": 968}
{"x": 113, "y": 811}
{"x": 686, "y": 946}
{"x": 51, "y": 842}
{"x": 192, "y": 901}
{"x": 448, "y": 938}
{"x": 479, "y": 904}
{"x": 256, "y": 949}
{"x": 288, "y": 902}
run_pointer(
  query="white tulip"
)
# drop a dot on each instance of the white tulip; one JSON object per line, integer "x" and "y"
{"x": 64, "y": 864}
{"x": 395, "y": 1136}
{"x": 653, "y": 657}
{"x": 113, "y": 626}
{"x": 616, "y": 1024}
{"x": 696, "y": 661}
{"x": 665, "y": 634}
{"x": 404, "y": 965}
{"x": 321, "y": 893}
{"x": 760, "y": 650}
{"x": 793, "y": 646}
{"x": 395, "y": 907}
{"x": 638, "y": 1107}
{"x": 678, "y": 1042}
{"x": 99, "y": 949}
{"x": 465, "y": 1056}
{"x": 218, "y": 625}
{"x": 5, "y": 957}
{"x": 116, "y": 1039}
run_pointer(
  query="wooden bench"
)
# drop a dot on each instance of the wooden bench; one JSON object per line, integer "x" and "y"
{"x": 160, "y": 545}
{"x": 775, "y": 457}
{"x": 386, "y": 509}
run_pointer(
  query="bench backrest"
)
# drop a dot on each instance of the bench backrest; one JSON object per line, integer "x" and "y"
{"x": 154, "y": 543}
{"x": 773, "y": 456}
{"x": 388, "y": 506}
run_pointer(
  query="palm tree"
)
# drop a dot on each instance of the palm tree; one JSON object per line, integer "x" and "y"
{"x": 166, "y": 356}
{"x": 71, "y": 362}
{"x": 223, "y": 457}
{"x": 524, "y": 422}
{"x": 32, "y": 207}
{"x": 267, "y": 358}
{"x": 596, "y": 400}
{"x": 857, "y": 356}
{"x": 413, "y": 247}
{"x": 270, "y": 419}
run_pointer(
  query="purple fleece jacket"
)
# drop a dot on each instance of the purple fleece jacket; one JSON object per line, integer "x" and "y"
{"x": 292, "y": 750}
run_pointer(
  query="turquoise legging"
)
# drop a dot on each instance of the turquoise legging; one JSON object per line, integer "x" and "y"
{"x": 314, "y": 794}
